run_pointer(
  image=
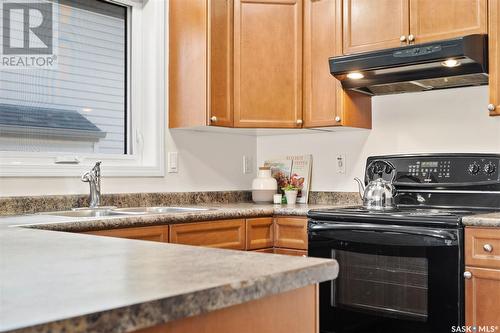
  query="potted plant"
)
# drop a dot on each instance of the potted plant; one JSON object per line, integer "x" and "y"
{"x": 291, "y": 192}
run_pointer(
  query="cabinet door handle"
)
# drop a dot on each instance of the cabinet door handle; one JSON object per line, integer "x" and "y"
{"x": 491, "y": 107}
{"x": 488, "y": 248}
{"x": 402, "y": 39}
{"x": 467, "y": 275}
{"x": 299, "y": 122}
{"x": 411, "y": 38}
{"x": 338, "y": 119}
{"x": 213, "y": 119}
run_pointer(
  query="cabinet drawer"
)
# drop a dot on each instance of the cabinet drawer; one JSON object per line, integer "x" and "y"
{"x": 155, "y": 234}
{"x": 291, "y": 232}
{"x": 259, "y": 233}
{"x": 482, "y": 247}
{"x": 227, "y": 234}
{"x": 290, "y": 252}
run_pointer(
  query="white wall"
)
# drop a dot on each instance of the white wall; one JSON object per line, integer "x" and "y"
{"x": 454, "y": 120}
{"x": 207, "y": 162}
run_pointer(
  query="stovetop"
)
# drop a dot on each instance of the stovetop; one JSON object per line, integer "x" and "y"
{"x": 402, "y": 215}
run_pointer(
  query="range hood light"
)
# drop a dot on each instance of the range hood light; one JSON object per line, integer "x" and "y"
{"x": 450, "y": 63}
{"x": 355, "y": 75}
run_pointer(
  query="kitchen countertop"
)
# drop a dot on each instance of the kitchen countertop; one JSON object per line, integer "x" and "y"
{"x": 482, "y": 220}
{"x": 217, "y": 212}
{"x": 52, "y": 281}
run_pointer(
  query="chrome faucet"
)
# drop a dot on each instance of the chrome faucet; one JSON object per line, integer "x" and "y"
{"x": 93, "y": 177}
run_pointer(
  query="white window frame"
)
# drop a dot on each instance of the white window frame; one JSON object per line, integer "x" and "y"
{"x": 146, "y": 107}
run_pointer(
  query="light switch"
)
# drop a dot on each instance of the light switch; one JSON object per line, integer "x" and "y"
{"x": 340, "y": 163}
{"x": 172, "y": 162}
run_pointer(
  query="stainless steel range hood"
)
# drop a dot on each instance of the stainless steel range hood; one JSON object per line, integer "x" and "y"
{"x": 451, "y": 63}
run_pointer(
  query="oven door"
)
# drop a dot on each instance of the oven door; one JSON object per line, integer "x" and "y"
{"x": 391, "y": 278}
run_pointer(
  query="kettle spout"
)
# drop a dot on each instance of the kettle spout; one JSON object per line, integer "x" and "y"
{"x": 361, "y": 187}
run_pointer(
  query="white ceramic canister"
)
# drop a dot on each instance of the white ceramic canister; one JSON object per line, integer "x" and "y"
{"x": 264, "y": 186}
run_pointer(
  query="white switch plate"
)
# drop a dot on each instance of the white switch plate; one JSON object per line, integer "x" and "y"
{"x": 340, "y": 163}
{"x": 247, "y": 164}
{"x": 172, "y": 162}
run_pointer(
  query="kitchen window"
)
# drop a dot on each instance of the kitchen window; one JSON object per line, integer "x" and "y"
{"x": 63, "y": 108}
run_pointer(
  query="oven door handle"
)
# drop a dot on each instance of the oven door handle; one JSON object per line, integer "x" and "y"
{"x": 434, "y": 233}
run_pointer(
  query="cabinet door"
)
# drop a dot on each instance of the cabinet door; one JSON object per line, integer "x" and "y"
{"x": 268, "y": 63}
{"x": 432, "y": 20}
{"x": 259, "y": 233}
{"x": 155, "y": 234}
{"x": 482, "y": 292}
{"x": 372, "y": 25}
{"x": 291, "y": 232}
{"x": 227, "y": 234}
{"x": 220, "y": 75}
{"x": 325, "y": 102}
{"x": 494, "y": 57}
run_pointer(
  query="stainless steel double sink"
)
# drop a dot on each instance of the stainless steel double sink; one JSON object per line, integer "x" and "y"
{"x": 112, "y": 211}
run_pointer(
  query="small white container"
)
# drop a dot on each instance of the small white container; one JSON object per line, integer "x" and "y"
{"x": 264, "y": 186}
{"x": 291, "y": 197}
{"x": 277, "y": 198}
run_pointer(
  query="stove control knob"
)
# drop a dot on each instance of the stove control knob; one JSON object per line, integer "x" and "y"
{"x": 473, "y": 168}
{"x": 489, "y": 168}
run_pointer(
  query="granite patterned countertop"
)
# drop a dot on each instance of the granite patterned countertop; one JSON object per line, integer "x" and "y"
{"x": 215, "y": 212}
{"x": 482, "y": 220}
{"x": 60, "y": 281}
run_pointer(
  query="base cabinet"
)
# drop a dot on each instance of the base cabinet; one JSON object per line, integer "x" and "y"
{"x": 155, "y": 233}
{"x": 295, "y": 311}
{"x": 482, "y": 278}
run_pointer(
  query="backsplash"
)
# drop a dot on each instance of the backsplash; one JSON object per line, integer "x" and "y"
{"x": 36, "y": 204}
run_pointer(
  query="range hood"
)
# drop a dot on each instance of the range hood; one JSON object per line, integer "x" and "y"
{"x": 451, "y": 63}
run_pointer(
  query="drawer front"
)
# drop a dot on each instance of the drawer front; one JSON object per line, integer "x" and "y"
{"x": 259, "y": 233}
{"x": 482, "y": 247}
{"x": 155, "y": 234}
{"x": 291, "y": 232}
{"x": 227, "y": 234}
{"x": 290, "y": 252}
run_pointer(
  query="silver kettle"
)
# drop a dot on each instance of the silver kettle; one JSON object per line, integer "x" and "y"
{"x": 379, "y": 193}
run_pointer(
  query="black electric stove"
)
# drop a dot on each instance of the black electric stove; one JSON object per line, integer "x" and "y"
{"x": 401, "y": 269}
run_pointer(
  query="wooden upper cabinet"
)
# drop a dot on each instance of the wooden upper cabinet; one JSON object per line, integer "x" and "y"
{"x": 373, "y": 25}
{"x": 268, "y": 63}
{"x": 325, "y": 102}
{"x": 200, "y": 63}
{"x": 494, "y": 57}
{"x": 432, "y": 20}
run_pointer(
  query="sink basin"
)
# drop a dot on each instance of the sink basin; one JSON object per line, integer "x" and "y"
{"x": 158, "y": 210}
{"x": 90, "y": 212}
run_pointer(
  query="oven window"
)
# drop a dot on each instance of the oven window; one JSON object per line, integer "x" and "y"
{"x": 389, "y": 286}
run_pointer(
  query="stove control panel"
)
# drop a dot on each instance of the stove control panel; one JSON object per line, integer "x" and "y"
{"x": 449, "y": 169}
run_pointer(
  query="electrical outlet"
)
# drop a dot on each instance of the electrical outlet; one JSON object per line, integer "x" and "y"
{"x": 340, "y": 163}
{"x": 247, "y": 164}
{"x": 172, "y": 162}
